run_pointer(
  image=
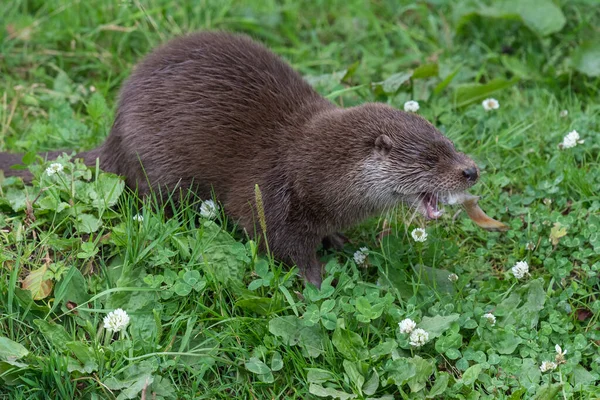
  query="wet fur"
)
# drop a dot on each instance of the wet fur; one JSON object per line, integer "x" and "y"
{"x": 217, "y": 111}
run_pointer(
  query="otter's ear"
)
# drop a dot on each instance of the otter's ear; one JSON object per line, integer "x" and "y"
{"x": 383, "y": 145}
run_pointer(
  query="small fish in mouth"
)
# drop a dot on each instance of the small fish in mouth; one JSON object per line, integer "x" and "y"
{"x": 469, "y": 202}
{"x": 430, "y": 209}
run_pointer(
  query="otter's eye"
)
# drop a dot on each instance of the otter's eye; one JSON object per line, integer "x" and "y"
{"x": 432, "y": 159}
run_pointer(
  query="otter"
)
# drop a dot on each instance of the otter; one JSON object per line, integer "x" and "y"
{"x": 219, "y": 113}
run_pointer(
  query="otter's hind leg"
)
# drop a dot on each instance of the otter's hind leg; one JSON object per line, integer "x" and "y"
{"x": 335, "y": 241}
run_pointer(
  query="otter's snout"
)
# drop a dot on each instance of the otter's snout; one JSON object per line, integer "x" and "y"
{"x": 471, "y": 174}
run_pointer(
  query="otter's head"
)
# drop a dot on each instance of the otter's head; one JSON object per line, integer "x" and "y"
{"x": 409, "y": 160}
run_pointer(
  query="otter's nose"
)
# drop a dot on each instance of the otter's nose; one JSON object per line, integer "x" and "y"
{"x": 471, "y": 174}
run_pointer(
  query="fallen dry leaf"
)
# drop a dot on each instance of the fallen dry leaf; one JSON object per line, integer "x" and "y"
{"x": 39, "y": 287}
{"x": 556, "y": 232}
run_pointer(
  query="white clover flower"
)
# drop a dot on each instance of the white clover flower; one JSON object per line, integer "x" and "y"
{"x": 520, "y": 269}
{"x": 208, "y": 209}
{"x": 452, "y": 277}
{"x": 419, "y": 235}
{"x": 491, "y": 318}
{"x": 530, "y": 246}
{"x": 418, "y": 337}
{"x": 559, "y": 350}
{"x": 490, "y": 104}
{"x": 138, "y": 218}
{"x": 571, "y": 140}
{"x": 548, "y": 366}
{"x": 411, "y": 106}
{"x": 116, "y": 320}
{"x": 407, "y": 325}
{"x": 54, "y": 168}
{"x": 360, "y": 255}
{"x": 563, "y": 113}
{"x": 560, "y": 354}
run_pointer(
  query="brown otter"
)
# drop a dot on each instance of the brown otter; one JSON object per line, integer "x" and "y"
{"x": 220, "y": 112}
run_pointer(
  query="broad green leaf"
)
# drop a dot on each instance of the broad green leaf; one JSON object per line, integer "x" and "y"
{"x": 353, "y": 374}
{"x": 452, "y": 340}
{"x": 582, "y": 377}
{"x": 255, "y": 284}
{"x": 453, "y": 353}
{"x": 426, "y": 71}
{"x": 192, "y": 278}
{"x": 327, "y": 306}
{"x": 316, "y": 375}
{"x": 540, "y": 16}
{"x": 162, "y": 388}
{"x": 85, "y": 356}
{"x": 10, "y": 350}
{"x": 349, "y": 344}
{"x": 504, "y": 342}
{"x": 370, "y": 386}
{"x": 470, "y": 375}
{"x": 586, "y": 58}
{"x": 329, "y": 321}
{"x": 72, "y": 288}
{"x": 547, "y": 392}
{"x": 393, "y": 82}
{"x": 293, "y": 332}
{"x": 314, "y": 294}
{"x": 224, "y": 258}
{"x": 423, "y": 370}
{"x": 518, "y": 68}
{"x": 106, "y": 191}
{"x": 321, "y": 391}
{"x": 530, "y": 374}
{"x": 364, "y": 306}
{"x": 438, "y": 324}
{"x": 10, "y": 372}
{"x": 470, "y": 93}
{"x": 262, "y": 267}
{"x": 256, "y": 366}
{"x": 131, "y": 386}
{"x": 266, "y": 378}
{"x": 383, "y": 348}
{"x": 326, "y": 83}
{"x": 36, "y": 283}
{"x": 312, "y": 315}
{"x": 97, "y": 108}
{"x": 54, "y": 333}
{"x": 29, "y": 157}
{"x": 87, "y": 223}
{"x": 276, "y": 361}
{"x": 536, "y": 298}
{"x": 440, "y": 385}
{"x": 543, "y": 17}
{"x": 16, "y": 198}
{"x": 25, "y": 299}
{"x": 260, "y": 305}
{"x": 88, "y": 250}
{"x": 400, "y": 370}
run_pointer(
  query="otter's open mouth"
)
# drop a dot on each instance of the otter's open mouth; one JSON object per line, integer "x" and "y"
{"x": 430, "y": 206}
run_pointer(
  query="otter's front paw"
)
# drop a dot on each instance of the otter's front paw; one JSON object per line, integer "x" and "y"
{"x": 313, "y": 275}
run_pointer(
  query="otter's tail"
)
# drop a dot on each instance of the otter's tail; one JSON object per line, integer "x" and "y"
{"x": 7, "y": 160}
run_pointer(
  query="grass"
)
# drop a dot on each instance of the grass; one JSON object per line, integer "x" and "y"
{"x": 211, "y": 317}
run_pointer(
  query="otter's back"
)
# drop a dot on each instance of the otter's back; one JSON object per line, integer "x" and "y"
{"x": 207, "y": 107}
